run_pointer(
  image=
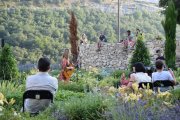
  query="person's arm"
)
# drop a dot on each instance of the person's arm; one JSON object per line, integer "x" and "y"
{"x": 131, "y": 36}
{"x": 172, "y": 77}
{"x": 131, "y": 81}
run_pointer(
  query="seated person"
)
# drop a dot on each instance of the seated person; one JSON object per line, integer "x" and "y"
{"x": 163, "y": 75}
{"x": 41, "y": 81}
{"x": 83, "y": 39}
{"x": 139, "y": 75}
{"x": 127, "y": 81}
{"x": 160, "y": 57}
{"x": 133, "y": 43}
{"x": 102, "y": 39}
{"x": 129, "y": 37}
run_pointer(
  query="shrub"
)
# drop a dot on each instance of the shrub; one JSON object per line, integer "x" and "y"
{"x": 8, "y": 66}
{"x": 141, "y": 54}
{"x": 169, "y": 26}
{"x": 99, "y": 77}
{"x": 118, "y": 74}
{"x": 65, "y": 94}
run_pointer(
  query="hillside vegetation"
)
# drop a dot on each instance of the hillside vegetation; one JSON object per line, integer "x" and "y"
{"x": 35, "y": 33}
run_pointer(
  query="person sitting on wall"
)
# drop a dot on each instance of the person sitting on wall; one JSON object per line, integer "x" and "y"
{"x": 129, "y": 37}
{"x": 83, "y": 39}
{"x": 102, "y": 39}
{"x": 133, "y": 43}
{"x": 41, "y": 81}
{"x": 163, "y": 75}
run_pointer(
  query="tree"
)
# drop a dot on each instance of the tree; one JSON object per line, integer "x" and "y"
{"x": 165, "y": 3}
{"x": 169, "y": 26}
{"x": 137, "y": 15}
{"x": 141, "y": 54}
{"x": 8, "y": 66}
{"x": 74, "y": 38}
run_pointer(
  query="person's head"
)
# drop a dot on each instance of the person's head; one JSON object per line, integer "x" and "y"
{"x": 44, "y": 64}
{"x": 137, "y": 30}
{"x": 159, "y": 65}
{"x": 83, "y": 35}
{"x": 128, "y": 32}
{"x": 130, "y": 74}
{"x": 101, "y": 33}
{"x": 66, "y": 54}
{"x": 158, "y": 52}
{"x": 139, "y": 67}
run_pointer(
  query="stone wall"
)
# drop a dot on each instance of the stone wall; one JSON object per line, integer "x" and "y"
{"x": 113, "y": 56}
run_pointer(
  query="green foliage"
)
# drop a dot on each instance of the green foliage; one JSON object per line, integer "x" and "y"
{"x": 170, "y": 31}
{"x": 118, "y": 74}
{"x": 99, "y": 77}
{"x": 176, "y": 93}
{"x": 165, "y": 3}
{"x": 43, "y": 32}
{"x": 79, "y": 86}
{"x": 141, "y": 54}
{"x": 137, "y": 15}
{"x": 8, "y": 66}
{"x": 83, "y": 108}
{"x": 65, "y": 94}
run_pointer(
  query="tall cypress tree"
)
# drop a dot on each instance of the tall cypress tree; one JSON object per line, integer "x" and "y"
{"x": 74, "y": 38}
{"x": 141, "y": 54}
{"x": 169, "y": 26}
{"x": 8, "y": 66}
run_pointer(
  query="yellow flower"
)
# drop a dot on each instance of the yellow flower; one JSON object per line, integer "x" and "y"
{"x": 144, "y": 86}
{"x": 1, "y": 96}
{"x": 133, "y": 96}
{"x": 110, "y": 95}
{"x": 135, "y": 80}
{"x": 121, "y": 90}
{"x": 1, "y": 102}
{"x": 159, "y": 90}
{"x": 167, "y": 93}
{"x": 137, "y": 97}
{"x": 160, "y": 95}
{"x": 133, "y": 104}
{"x": 135, "y": 86}
{"x": 148, "y": 86}
{"x": 12, "y": 101}
{"x": 5, "y": 101}
{"x": 112, "y": 89}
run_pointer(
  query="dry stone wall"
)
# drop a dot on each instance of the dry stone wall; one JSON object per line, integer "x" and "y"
{"x": 113, "y": 56}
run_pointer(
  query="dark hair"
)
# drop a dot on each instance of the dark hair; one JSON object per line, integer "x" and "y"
{"x": 158, "y": 51}
{"x": 130, "y": 74}
{"x": 139, "y": 67}
{"x": 129, "y": 31}
{"x": 159, "y": 64}
{"x": 44, "y": 64}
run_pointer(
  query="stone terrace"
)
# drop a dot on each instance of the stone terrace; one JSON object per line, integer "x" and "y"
{"x": 113, "y": 56}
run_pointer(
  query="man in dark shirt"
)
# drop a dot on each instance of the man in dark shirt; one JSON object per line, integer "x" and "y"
{"x": 158, "y": 52}
{"x": 102, "y": 39}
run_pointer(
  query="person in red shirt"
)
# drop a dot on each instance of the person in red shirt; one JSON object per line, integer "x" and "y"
{"x": 123, "y": 78}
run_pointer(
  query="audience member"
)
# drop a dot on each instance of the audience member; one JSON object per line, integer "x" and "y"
{"x": 133, "y": 43}
{"x": 160, "y": 57}
{"x": 129, "y": 37}
{"x": 127, "y": 81}
{"x": 65, "y": 65}
{"x": 102, "y": 39}
{"x": 163, "y": 75}
{"x": 41, "y": 81}
{"x": 83, "y": 39}
{"x": 139, "y": 75}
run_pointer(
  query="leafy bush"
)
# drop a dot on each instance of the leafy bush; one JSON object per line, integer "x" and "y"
{"x": 65, "y": 94}
{"x": 118, "y": 74}
{"x": 18, "y": 97}
{"x": 99, "y": 77}
{"x": 79, "y": 86}
{"x": 141, "y": 54}
{"x": 81, "y": 108}
{"x": 176, "y": 92}
{"x": 8, "y": 66}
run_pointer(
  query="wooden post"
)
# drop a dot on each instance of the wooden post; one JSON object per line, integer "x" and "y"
{"x": 118, "y": 21}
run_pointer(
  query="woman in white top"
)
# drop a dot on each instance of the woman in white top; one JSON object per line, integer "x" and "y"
{"x": 139, "y": 74}
{"x": 83, "y": 39}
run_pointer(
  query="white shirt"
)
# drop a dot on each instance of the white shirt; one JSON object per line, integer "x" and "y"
{"x": 40, "y": 81}
{"x": 164, "y": 75}
{"x": 141, "y": 77}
